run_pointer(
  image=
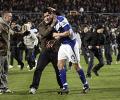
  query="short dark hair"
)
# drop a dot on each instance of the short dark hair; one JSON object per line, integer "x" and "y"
{"x": 47, "y": 10}
{"x": 4, "y": 12}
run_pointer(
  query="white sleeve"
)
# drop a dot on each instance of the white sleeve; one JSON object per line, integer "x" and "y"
{"x": 35, "y": 38}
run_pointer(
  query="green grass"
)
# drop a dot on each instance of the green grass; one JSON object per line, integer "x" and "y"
{"x": 104, "y": 87}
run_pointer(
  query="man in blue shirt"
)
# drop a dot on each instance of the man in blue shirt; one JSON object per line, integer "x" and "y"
{"x": 68, "y": 51}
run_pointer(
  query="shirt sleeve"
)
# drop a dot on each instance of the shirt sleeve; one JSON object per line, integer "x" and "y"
{"x": 65, "y": 24}
{"x": 35, "y": 38}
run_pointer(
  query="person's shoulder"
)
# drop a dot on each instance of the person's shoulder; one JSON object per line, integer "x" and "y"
{"x": 61, "y": 18}
{"x": 42, "y": 24}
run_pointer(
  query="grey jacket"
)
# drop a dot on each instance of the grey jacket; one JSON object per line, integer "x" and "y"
{"x": 5, "y": 32}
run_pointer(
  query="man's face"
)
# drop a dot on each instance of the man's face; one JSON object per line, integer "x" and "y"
{"x": 48, "y": 17}
{"x": 13, "y": 24}
{"x": 30, "y": 24}
{"x": 8, "y": 17}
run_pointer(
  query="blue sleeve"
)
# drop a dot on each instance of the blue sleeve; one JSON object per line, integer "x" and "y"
{"x": 65, "y": 24}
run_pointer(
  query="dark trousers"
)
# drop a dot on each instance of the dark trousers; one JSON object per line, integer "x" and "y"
{"x": 30, "y": 57}
{"x": 118, "y": 56}
{"x": 98, "y": 54}
{"x": 45, "y": 58}
{"x": 37, "y": 51}
{"x": 16, "y": 53}
{"x": 85, "y": 53}
{"x": 3, "y": 72}
{"x": 108, "y": 55}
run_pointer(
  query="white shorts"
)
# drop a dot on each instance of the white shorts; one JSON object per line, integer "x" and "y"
{"x": 78, "y": 39}
{"x": 66, "y": 52}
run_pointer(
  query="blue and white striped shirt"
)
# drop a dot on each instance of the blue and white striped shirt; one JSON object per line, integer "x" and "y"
{"x": 62, "y": 26}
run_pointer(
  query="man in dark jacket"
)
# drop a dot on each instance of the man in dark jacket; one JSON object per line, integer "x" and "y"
{"x": 48, "y": 53}
{"x": 5, "y": 32}
{"x": 84, "y": 49}
{"x": 107, "y": 46}
{"x": 94, "y": 41}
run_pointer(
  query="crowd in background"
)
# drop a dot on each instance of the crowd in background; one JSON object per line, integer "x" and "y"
{"x": 32, "y": 9}
{"x": 95, "y": 22}
{"x": 64, "y": 5}
{"x": 79, "y": 12}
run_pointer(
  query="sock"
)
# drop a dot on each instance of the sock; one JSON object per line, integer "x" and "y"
{"x": 63, "y": 78}
{"x": 82, "y": 76}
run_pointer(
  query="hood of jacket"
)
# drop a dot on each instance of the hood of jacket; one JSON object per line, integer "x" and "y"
{"x": 3, "y": 22}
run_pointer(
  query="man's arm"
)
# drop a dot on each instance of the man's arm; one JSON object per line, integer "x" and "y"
{"x": 59, "y": 35}
{"x": 66, "y": 26}
{"x": 35, "y": 38}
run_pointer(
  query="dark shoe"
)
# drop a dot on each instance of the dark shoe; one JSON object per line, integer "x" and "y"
{"x": 22, "y": 66}
{"x": 63, "y": 91}
{"x": 88, "y": 75}
{"x": 86, "y": 88}
{"x": 108, "y": 63}
{"x": 95, "y": 72}
{"x": 31, "y": 68}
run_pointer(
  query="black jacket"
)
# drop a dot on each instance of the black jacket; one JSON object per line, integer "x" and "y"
{"x": 46, "y": 38}
{"x": 94, "y": 39}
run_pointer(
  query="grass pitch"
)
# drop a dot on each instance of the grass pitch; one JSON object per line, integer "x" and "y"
{"x": 104, "y": 87}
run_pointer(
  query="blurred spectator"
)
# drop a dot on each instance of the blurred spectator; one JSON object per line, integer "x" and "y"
{"x": 66, "y": 5}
